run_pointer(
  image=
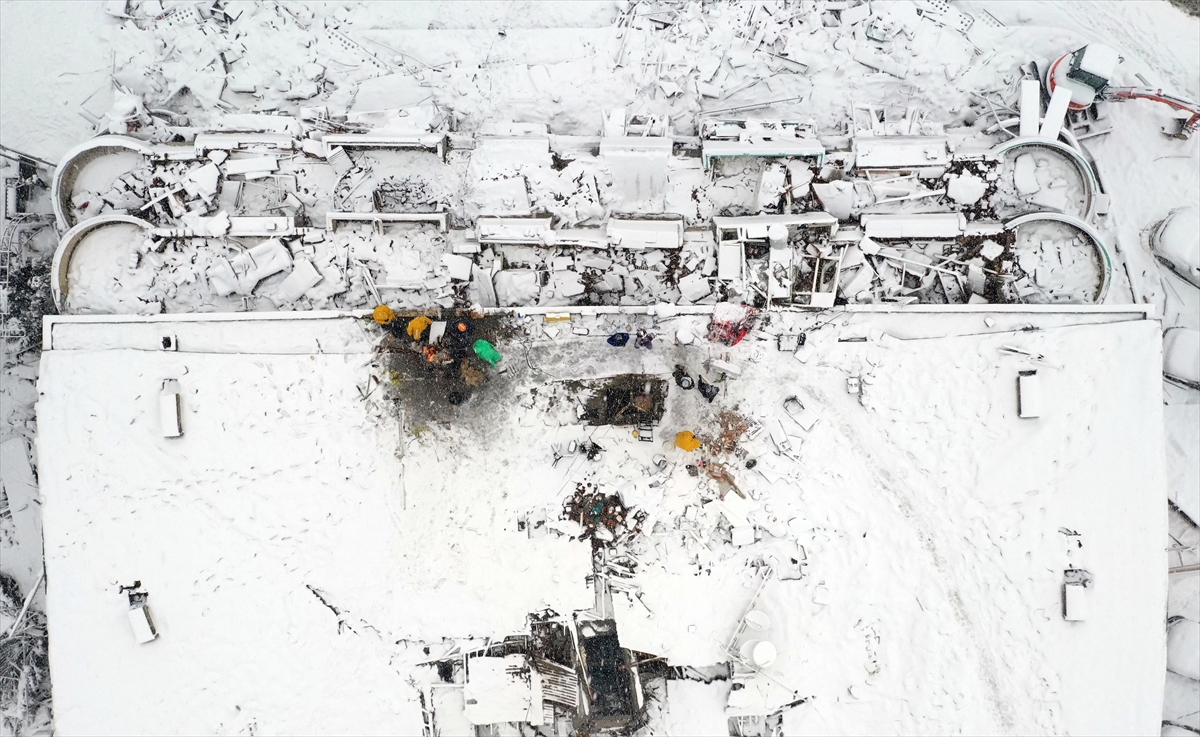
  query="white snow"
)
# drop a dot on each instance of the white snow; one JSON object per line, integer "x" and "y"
{"x": 1183, "y": 460}
{"x": 22, "y": 554}
{"x": 892, "y": 494}
{"x": 283, "y": 488}
{"x": 1059, "y": 261}
{"x": 931, "y": 597}
{"x": 693, "y": 709}
{"x": 1024, "y": 174}
{"x": 100, "y": 276}
{"x": 1178, "y": 241}
{"x": 1183, "y": 648}
{"x": 1100, "y": 60}
{"x": 498, "y": 690}
{"x": 966, "y": 189}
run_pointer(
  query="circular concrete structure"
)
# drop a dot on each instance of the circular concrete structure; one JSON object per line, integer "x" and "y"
{"x": 1099, "y": 279}
{"x": 70, "y": 242}
{"x": 80, "y": 159}
{"x": 1089, "y": 185}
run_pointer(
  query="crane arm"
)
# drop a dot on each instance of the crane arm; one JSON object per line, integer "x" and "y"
{"x": 1120, "y": 94}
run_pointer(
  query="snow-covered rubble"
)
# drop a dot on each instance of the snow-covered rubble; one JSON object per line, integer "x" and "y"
{"x": 513, "y": 179}
{"x": 334, "y": 154}
{"x": 625, "y": 169}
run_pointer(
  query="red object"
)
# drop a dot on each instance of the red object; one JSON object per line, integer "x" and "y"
{"x": 1051, "y": 84}
{"x": 729, "y": 326}
{"x": 1121, "y": 94}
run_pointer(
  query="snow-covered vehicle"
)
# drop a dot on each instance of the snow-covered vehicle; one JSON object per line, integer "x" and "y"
{"x": 1176, "y": 242}
{"x": 1181, "y": 355}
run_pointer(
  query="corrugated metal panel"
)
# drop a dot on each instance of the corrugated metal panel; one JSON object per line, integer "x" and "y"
{"x": 560, "y": 685}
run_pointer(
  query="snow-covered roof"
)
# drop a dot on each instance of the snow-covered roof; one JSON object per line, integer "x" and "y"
{"x": 285, "y": 555}
{"x": 949, "y": 573}
{"x": 285, "y": 549}
{"x": 500, "y": 689}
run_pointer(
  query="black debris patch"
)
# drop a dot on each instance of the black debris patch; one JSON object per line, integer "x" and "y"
{"x": 631, "y": 399}
{"x": 439, "y": 383}
{"x": 609, "y": 681}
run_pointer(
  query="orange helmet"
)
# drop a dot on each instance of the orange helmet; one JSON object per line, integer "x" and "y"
{"x": 384, "y": 314}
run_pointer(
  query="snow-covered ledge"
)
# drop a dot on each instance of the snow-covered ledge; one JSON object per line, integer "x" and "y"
{"x": 314, "y": 318}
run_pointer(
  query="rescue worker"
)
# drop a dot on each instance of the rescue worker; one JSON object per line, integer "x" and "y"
{"x": 458, "y": 338}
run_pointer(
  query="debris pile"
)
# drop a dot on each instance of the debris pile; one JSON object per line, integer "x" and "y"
{"x": 434, "y": 365}
{"x": 733, "y": 426}
{"x": 604, "y": 518}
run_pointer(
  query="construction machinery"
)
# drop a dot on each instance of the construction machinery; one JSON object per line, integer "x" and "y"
{"x": 1087, "y": 73}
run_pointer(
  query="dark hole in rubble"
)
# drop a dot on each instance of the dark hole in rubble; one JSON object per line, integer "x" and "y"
{"x": 550, "y": 639}
{"x": 608, "y": 676}
{"x": 632, "y": 399}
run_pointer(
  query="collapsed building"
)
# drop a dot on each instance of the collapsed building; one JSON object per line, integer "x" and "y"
{"x": 699, "y": 558}
{"x": 347, "y": 211}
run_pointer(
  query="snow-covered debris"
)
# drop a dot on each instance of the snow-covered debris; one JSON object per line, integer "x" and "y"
{"x": 1025, "y": 174}
{"x": 458, "y": 266}
{"x": 1181, "y": 355}
{"x": 694, "y": 287}
{"x": 966, "y": 189}
{"x": 242, "y": 273}
{"x": 22, "y": 554}
{"x": 251, "y": 127}
{"x": 638, "y": 166}
{"x": 1177, "y": 241}
{"x": 1183, "y": 648}
{"x": 303, "y": 277}
{"x": 203, "y": 180}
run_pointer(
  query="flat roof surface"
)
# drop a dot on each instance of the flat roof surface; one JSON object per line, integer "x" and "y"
{"x": 937, "y": 526}
{"x": 284, "y": 556}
